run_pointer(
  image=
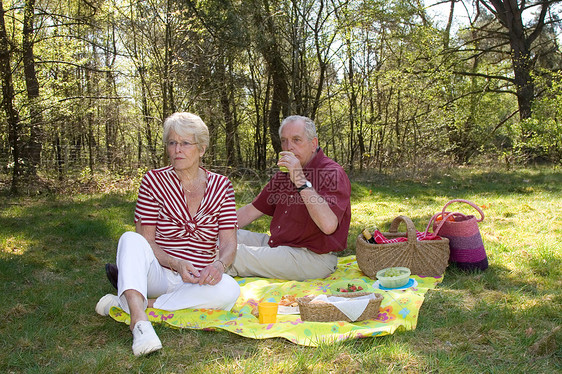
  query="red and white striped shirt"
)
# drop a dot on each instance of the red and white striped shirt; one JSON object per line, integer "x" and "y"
{"x": 162, "y": 202}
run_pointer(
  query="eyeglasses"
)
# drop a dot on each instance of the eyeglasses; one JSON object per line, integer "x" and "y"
{"x": 183, "y": 144}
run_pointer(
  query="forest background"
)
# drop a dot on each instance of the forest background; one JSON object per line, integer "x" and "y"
{"x": 391, "y": 84}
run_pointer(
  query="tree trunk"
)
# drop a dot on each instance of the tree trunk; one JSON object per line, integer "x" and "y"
{"x": 147, "y": 120}
{"x": 111, "y": 124}
{"x": 279, "y": 102}
{"x": 60, "y": 161}
{"x": 90, "y": 121}
{"x": 270, "y": 50}
{"x": 447, "y": 31}
{"x": 510, "y": 14}
{"x": 8, "y": 96}
{"x": 260, "y": 133}
{"x": 32, "y": 86}
{"x": 522, "y": 67}
{"x": 230, "y": 126}
{"x": 322, "y": 62}
{"x": 166, "y": 74}
{"x": 352, "y": 106}
{"x": 111, "y": 114}
{"x": 168, "y": 105}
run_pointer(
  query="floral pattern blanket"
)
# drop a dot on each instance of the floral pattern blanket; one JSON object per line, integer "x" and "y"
{"x": 399, "y": 310}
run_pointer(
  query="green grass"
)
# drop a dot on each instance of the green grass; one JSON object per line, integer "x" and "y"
{"x": 53, "y": 248}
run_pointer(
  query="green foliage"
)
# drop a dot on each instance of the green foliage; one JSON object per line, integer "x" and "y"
{"x": 541, "y": 140}
{"x": 541, "y": 135}
{"x": 383, "y": 82}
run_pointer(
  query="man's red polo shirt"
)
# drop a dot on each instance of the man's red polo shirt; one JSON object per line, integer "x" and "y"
{"x": 291, "y": 224}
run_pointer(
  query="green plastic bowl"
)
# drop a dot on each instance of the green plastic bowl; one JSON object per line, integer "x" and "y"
{"x": 394, "y": 282}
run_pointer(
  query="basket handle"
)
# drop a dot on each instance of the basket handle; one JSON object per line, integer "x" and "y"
{"x": 466, "y": 202}
{"x": 445, "y": 217}
{"x": 411, "y": 228}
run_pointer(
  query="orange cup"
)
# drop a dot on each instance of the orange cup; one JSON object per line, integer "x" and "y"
{"x": 267, "y": 312}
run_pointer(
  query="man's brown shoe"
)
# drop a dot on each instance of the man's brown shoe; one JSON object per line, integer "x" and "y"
{"x": 112, "y": 273}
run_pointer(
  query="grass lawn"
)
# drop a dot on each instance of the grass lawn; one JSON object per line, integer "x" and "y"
{"x": 53, "y": 248}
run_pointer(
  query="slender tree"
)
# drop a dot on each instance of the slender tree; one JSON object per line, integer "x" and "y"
{"x": 8, "y": 97}
{"x": 269, "y": 45}
{"x": 35, "y": 142}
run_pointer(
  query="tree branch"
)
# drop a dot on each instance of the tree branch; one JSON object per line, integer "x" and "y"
{"x": 540, "y": 22}
{"x": 73, "y": 64}
{"x": 487, "y": 76}
{"x": 94, "y": 97}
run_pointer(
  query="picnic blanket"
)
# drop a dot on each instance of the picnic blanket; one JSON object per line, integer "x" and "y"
{"x": 399, "y": 310}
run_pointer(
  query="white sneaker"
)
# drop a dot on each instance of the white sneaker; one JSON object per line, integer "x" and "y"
{"x": 105, "y": 303}
{"x": 145, "y": 339}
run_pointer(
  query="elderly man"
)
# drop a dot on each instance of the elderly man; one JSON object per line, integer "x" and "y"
{"x": 310, "y": 206}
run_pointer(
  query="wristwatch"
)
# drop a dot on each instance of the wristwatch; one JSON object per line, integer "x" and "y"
{"x": 306, "y": 184}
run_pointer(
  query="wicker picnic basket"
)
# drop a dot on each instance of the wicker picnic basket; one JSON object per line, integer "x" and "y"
{"x": 424, "y": 258}
{"x": 326, "y": 312}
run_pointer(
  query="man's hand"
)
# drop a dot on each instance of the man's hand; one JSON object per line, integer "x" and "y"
{"x": 291, "y": 162}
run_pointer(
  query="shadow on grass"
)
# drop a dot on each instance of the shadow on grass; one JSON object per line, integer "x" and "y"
{"x": 52, "y": 252}
{"x": 456, "y": 184}
{"x": 62, "y": 232}
{"x": 58, "y": 242}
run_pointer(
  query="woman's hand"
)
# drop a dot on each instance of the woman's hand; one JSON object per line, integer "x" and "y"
{"x": 185, "y": 269}
{"x": 212, "y": 274}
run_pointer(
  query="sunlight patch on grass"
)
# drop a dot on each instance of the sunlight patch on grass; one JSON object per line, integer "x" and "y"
{"x": 45, "y": 276}
{"x": 14, "y": 246}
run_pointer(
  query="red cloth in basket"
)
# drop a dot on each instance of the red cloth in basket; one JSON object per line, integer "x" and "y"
{"x": 381, "y": 239}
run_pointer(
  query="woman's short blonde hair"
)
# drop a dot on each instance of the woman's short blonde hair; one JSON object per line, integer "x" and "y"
{"x": 184, "y": 124}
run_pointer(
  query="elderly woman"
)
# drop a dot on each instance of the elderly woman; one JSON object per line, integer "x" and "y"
{"x": 186, "y": 237}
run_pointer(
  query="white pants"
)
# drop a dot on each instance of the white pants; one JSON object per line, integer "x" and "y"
{"x": 255, "y": 258}
{"x": 140, "y": 270}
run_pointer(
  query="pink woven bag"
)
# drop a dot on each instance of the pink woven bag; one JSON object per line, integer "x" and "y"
{"x": 467, "y": 250}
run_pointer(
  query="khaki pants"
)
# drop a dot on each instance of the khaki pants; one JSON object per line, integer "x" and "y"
{"x": 255, "y": 258}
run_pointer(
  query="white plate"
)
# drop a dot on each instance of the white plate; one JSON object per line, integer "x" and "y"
{"x": 288, "y": 310}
